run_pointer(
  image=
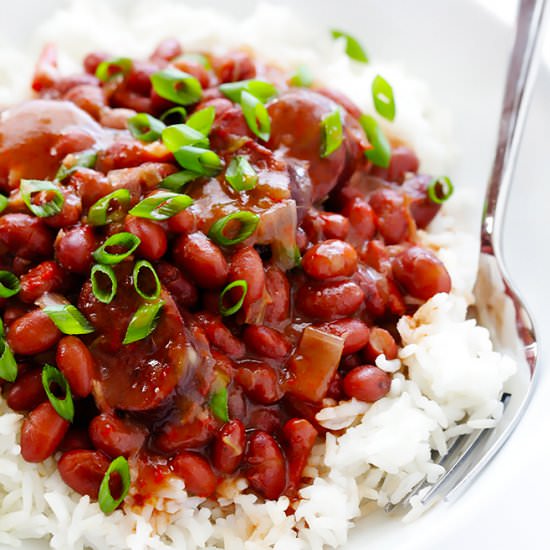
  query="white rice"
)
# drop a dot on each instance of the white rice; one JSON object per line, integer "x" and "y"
{"x": 454, "y": 376}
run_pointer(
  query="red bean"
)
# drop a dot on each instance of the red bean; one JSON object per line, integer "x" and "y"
{"x": 300, "y": 436}
{"x": 153, "y": 237}
{"x": 421, "y": 273}
{"x": 220, "y": 336}
{"x": 361, "y": 217}
{"x": 45, "y": 277}
{"x": 392, "y": 216}
{"x": 423, "y": 209}
{"x": 25, "y": 236}
{"x": 77, "y": 364}
{"x": 278, "y": 288}
{"x": 375, "y": 255}
{"x": 70, "y": 213}
{"x": 188, "y": 434}
{"x": 33, "y": 333}
{"x": 74, "y": 248}
{"x": 197, "y": 473}
{"x": 76, "y": 438}
{"x": 202, "y": 260}
{"x": 354, "y": 332}
{"x": 83, "y": 470}
{"x": 264, "y": 419}
{"x": 92, "y": 61}
{"x": 195, "y": 69}
{"x": 373, "y": 286}
{"x": 115, "y": 436}
{"x": 167, "y": 49}
{"x": 42, "y": 432}
{"x": 403, "y": 160}
{"x": 233, "y": 67}
{"x": 247, "y": 265}
{"x": 90, "y": 185}
{"x": 27, "y": 392}
{"x": 367, "y": 383}
{"x": 12, "y": 313}
{"x": 266, "y": 341}
{"x": 229, "y": 447}
{"x": 183, "y": 222}
{"x": 330, "y": 259}
{"x": 380, "y": 342}
{"x": 259, "y": 381}
{"x": 265, "y": 468}
{"x": 325, "y": 225}
{"x": 329, "y": 300}
{"x": 179, "y": 286}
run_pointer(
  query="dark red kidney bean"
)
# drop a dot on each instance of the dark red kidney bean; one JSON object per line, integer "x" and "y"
{"x": 45, "y": 277}
{"x": 153, "y": 237}
{"x": 421, "y": 273}
{"x": 90, "y": 185}
{"x": 42, "y": 432}
{"x": 278, "y": 288}
{"x": 166, "y": 50}
{"x": 200, "y": 480}
{"x": 367, "y": 383}
{"x": 237, "y": 403}
{"x": 422, "y": 208}
{"x": 330, "y": 300}
{"x": 75, "y": 361}
{"x": 183, "y": 222}
{"x": 27, "y": 392}
{"x": 88, "y": 97}
{"x": 264, "y": 419}
{"x": 335, "y": 387}
{"x": 139, "y": 78}
{"x": 83, "y": 470}
{"x": 392, "y": 216}
{"x": 45, "y": 72}
{"x": 201, "y": 259}
{"x": 33, "y": 333}
{"x": 74, "y": 248}
{"x": 266, "y": 341}
{"x": 265, "y": 465}
{"x": 220, "y": 336}
{"x": 354, "y": 332}
{"x": 380, "y": 342}
{"x": 125, "y": 98}
{"x": 300, "y": 437}
{"x": 334, "y": 226}
{"x": 115, "y": 436}
{"x": 25, "y": 236}
{"x": 76, "y": 438}
{"x": 343, "y": 100}
{"x": 11, "y": 313}
{"x": 375, "y": 255}
{"x": 181, "y": 288}
{"x": 191, "y": 434}
{"x": 247, "y": 265}
{"x": 70, "y": 213}
{"x": 233, "y": 66}
{"x": 402, "y": 160}
{"x": 361, "y": 217}
{"x": 373, "y": 285}
{"x": 195, "y": 69}
{"x": 229, "y": 447}
{"x": 395, "y": 301}
{"x": 92, "y": 61}
{"x": 330, "y": 259}
{"x": 259, "y": 381}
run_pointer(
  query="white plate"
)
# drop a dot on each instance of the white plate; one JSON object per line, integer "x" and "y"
{"x": 461, "y": 51}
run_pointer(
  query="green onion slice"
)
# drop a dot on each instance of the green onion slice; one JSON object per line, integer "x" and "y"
{"x": 380, "y": 154}
{"x": 161, "y": 206}
{"x": 176, "y": 86}
{"x": 333, "y": 135}
{"x": 180, "y": 135}
{"x": 100, "y": 274}
{"x": 219, "y": 404}
{"x": 260, "y": 89}
{"x": 63, "y": 406}
{"x": 175, "y": 115}
{"x": 111, "y": 68}
{"x": 124, "y": 240}
{"x": 104, "y": 211}
{"x": 440, "y": 189}
{"x": 198, "y": 58}
{"x": 105, "y": 499}
{"x": 176, "y": 182}
{"x": 9, "y": 284}
{"x": 256, "y": 115}
{"x": 382, "y": 96}
{"x": 202, "y": 120}
{"x": 302, "y": 78}
{"x": 248, "y": 221}
{"x": 145, "y": 265}
{"x": 3, "y": 203}
{"x": 68, "y": 319}
{"x": 240, "y": 174}
{"x": 201, "y": 161}
{"x": 143, "y": 322}
{"x": 8, "y": 365}
{"x": 354, "y": 50}
{"x": 145, "y": 127}
{"x": 226, "y": 311}
{"x": 50, "y": 208}
{"x": 85, "y": 159}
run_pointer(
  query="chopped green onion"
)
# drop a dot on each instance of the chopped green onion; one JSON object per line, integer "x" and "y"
{"x": 105, "y": 499}
{"x": 9, "y": 284}
{"x": 200, "y": 161}
{"x": 219, "y": 405}
{"x": 380, "y": 154}
{"x": 104, "y": 296}
{"x": 85, "y": 159}
{"x": 125, "y": 240}
{"x": 177, "y": 114}
{"x": 256, "y": 115}
{"x": 145, "y": 127}
{"x": 144, "y": 264}
{"x": 68, "y": 319}
{"x": 248, "y": 222}
{"x": 354, "y": 50}
{"x": 8, "y": 365}
{"x": 198, "y": 58}
{"x": 103, "y": 212}
{"x": 382, "y": 95}
{"x": 180, "y": 135}
{"x": 202, "y": 120}
{"x": 111, "y": 68}
{"x": 176, "y": 86}
{"x": 240, "y": 174}
{"x": 260, "y": 89}
{"x": 333, "y": 136}
{"x": 440, "y": 189}
{"x": 63, "y": 406}
{"x": 226, "y": 311}
{"x": 143, "y": 322}
{"x": 3, "y": 203}
{"x": 176, "y": 182}
{"x": 49, "y": 208}
{"x": 161, "y": 206}
{"x": 302, "y": 78}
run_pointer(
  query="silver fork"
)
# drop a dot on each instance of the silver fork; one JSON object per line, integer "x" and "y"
{"x": 499, "y": 307}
